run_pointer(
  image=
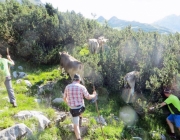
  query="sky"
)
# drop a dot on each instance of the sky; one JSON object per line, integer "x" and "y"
{"x": 144, "y": 11}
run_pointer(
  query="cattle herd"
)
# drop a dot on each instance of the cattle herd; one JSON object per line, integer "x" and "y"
{"x": 96, "y": 45}
{"x": 73, "y": 66}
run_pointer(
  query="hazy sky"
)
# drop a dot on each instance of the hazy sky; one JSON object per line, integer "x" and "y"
{"x": 145, "y": 11}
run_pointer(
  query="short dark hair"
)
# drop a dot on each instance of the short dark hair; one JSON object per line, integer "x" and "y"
{"x": 167, "y": 90}
{"x": 77, "y": 77}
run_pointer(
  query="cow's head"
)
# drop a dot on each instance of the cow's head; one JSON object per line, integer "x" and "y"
{"x": 62, "y": 54}
{"x": 102, "y": 41}
{"x": 137, "y": 73}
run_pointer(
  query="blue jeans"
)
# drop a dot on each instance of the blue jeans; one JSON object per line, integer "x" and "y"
{"x": 9, "y": 89}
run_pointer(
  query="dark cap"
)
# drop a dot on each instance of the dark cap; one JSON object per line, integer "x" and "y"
{"x": 77, "y": 77}
{"x": 167, "y": 90}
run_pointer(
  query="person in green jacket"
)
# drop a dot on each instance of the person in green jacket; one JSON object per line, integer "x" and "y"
{"x": 174, "y": 107}
{"x": 4, "y": 67}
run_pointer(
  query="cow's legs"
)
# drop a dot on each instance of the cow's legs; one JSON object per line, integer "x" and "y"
{"x": 82, "y": 81}
{"x": 132, "y": 91}
{"x": 72, "y": 76}
{"x": 132, "y": 85}
{"x": 129, "y": 96}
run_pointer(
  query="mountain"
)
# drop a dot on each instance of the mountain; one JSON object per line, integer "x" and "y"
{"x": 172, "y": 22}
{"x": 114, "y": 22}
{"x": 101, "y": 19}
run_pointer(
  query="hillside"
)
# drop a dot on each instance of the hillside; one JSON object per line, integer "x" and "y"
{"x": 60, "y": 127}
{"x": 114, "y": 22}
{"x": 171, "y": 22}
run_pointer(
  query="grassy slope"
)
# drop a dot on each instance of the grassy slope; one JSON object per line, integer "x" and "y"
{"x": 25, "y": 99}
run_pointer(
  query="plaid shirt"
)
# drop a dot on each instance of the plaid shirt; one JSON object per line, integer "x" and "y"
{"x": 75, "y": 94}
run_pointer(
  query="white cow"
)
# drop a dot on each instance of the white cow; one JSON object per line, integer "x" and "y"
{"x": 129, "y": 80}
{"x": 95, "y": 45}
{"x": 102, "y": 41}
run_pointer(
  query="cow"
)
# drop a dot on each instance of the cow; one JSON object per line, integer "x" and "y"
{"x": 129, "y": 81}
{"x": 71, "y": 65}
{"x": 102, "y": 41}
{"x": 93, "y": 46}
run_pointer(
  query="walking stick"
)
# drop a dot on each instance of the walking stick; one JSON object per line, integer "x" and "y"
{"x": 98, "y": 111}
{"x": 7, "y": 51}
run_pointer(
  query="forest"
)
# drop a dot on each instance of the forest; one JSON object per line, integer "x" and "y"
{"x": 37, "y": 33}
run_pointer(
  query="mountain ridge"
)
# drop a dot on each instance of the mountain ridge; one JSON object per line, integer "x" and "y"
{"x": 114, "y": 22}
{"x": 172, "y": 22}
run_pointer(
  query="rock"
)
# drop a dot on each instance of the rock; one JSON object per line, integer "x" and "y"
{"x": 18, "y": 81}
{"x": 20, "y": 67}
{"x": 19, "y": 74}
{"x": 37, "y": 100}
{"x": 15, "y": 74}
{"x": 15, "y": 132}
{"x": 101, "y": 120}
{"x": 61, "y": 116}
{"x": 28, "y": 83}
{"x": 43, "y": 121}
{"x": 136, "y": 138}
{"x": 58, "y": 100}
{"x": 163, "y": 137}
{"x": 49, "y": 86}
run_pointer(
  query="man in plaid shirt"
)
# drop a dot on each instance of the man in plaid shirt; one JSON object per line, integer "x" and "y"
{"x": 74, "y": 94}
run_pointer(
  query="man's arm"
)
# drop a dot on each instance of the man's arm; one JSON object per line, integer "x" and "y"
{"x": 158, "y": 106}
{"x": 65, "y": 96}
{"x": 162, "y": 104}
{"x": 91, "y": 96}
{"x": 9, "y": 58}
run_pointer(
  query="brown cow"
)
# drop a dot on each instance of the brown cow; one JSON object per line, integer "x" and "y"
{"x": 71, "y": 65}
{"x": 129, "y": 80}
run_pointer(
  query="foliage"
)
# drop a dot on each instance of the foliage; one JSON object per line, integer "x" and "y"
{"x": 62, "y": 106}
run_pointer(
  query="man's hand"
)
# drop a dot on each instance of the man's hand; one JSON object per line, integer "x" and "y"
{"x": 9, "y": 57}
{"x": 151, "y": 108}
{"x": 94, "y": 97}
{"x": 94, "y": 93}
